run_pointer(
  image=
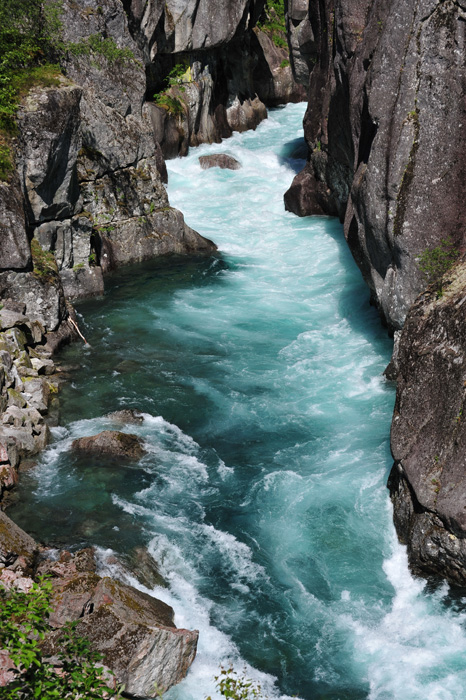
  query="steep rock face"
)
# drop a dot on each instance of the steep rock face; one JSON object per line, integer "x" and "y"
{"x": 174, "y": 27}
{"x": 428, "y": 438}
{"x": 15, "y": 253}
{"x": 385, "y": 131}
{"x": 91, "y": 173}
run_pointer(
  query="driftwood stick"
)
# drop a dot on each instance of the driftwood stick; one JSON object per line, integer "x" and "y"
{"x": 75, "y": 326}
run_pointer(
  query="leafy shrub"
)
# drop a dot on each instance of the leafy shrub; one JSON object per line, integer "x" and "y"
{"x": 23, "y": 627}
{"x": 231, "y": 685}
{"x": 434, "y": 263}
{"x": 179, "y": 74}
{"x": 172, "y": 104}
{"x": 100, "y": 46}
{"x": 272, "y": 22}
{"x": 45, "y": 265}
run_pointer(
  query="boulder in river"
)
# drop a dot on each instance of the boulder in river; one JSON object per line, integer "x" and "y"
{"x": 112, "y": 443}
{"x": 126, "y": 415}
{"x": 219, "y": 160}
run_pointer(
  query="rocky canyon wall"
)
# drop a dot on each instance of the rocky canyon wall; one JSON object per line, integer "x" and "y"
{"x": 89, "y": 181}
{"x": 385, "y": 130}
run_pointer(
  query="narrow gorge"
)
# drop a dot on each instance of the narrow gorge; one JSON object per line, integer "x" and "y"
{"x": 234, "y": 375}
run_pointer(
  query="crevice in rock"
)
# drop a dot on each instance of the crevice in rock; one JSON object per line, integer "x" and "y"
{"x": 368, "y": 132}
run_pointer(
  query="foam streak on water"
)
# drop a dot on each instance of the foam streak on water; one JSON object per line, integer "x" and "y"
{"x": 262, "y": 494}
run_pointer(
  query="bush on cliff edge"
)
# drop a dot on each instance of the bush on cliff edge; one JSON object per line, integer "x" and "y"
{"x": 23, "y": 626}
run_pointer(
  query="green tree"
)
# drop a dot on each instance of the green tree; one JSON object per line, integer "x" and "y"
{"x": 434, "y": 263}
{"x": 74, "y": 675}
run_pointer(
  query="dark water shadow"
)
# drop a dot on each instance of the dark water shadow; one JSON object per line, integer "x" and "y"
{"x": 294, "y": 154}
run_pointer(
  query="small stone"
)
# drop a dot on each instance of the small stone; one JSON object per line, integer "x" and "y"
{"x": 43, "y": 366}
{"x": 127, "y": 415}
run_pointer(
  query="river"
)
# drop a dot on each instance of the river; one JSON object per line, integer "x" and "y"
{"x": 263, "y": 493}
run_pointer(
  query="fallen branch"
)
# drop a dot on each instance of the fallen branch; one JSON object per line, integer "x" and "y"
{"x": 75, "y": 326}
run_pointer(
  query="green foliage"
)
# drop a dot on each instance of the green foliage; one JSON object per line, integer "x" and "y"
{"x": 285, "y": 63}
{"x": 45, "y": 265}
{"x": 23, "y": 627}
{"x": 6, "y": 163}
{"x": 180, "y": 73}
{"x": 434, "y": 263}
{"x": 98, "y": 45}
{"x": 172, "y": 104}
{"x": 272, "y": 22}
{"x": 231, "y": 685}
{"x": 167, "y": 98}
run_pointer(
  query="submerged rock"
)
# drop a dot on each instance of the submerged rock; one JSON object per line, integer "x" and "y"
{"x": 126, "y": 415}
{"x": 112, "y": 443}
{"x": 219, "y": 160}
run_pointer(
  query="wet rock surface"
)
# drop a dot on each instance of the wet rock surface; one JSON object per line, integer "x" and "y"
{"x": 219, "y": 160}
{"x": 111, "y": 443}
{"x": 28, "y": 386}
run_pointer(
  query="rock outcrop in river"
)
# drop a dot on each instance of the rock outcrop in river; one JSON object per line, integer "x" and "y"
{"x": 385, "y": 130}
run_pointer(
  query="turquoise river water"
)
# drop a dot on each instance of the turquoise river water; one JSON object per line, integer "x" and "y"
{"x": 262, "y": 494}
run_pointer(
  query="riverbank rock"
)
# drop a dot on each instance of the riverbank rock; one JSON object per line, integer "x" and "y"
{"x": 111, "y": 443}
{"x": 219, "y": 160}
{"x": 17, "y": 549}
{"x": 134, "y": 632}
{"x": 28, "y": 385}
{"x": 428, "y": 437}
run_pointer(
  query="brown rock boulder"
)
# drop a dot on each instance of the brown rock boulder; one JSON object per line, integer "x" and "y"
{"x": 134, "y": 632}
{"x": 219, "y": 160}
{"x": 112, "y": 443}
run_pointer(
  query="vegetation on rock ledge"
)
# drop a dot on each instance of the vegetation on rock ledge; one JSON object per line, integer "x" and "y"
{"x": 31, "y": 48}
{"x": 272, "y": 22}
{"x": 29, "y": 35}
{"x": 434, "y": 263}
{"x": 74, "y": 672}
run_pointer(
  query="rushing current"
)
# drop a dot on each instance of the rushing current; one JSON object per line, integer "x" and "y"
{"x": 262, "y": 495}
